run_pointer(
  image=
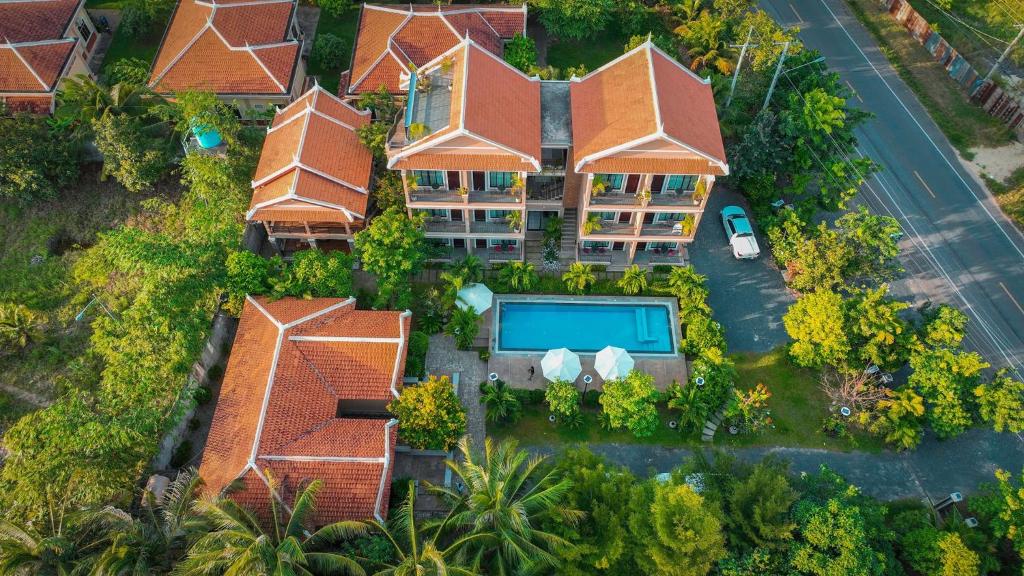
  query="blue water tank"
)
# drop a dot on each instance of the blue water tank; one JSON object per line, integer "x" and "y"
{"x": 207, "y": 136}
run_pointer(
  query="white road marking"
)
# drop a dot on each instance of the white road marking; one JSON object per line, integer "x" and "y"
{"x": 925, "y": 184}
{"x": 1012, "y": 299}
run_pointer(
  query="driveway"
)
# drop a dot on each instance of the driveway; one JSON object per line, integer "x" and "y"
{"x": 748, "y": 297}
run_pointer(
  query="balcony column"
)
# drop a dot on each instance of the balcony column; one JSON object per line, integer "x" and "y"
{"x": 348, "y": 228}
{"x": 632, "y": 252}
{"x": 467, "y": 216}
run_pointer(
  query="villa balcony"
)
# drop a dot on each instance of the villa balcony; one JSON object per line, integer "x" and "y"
{"x": 496, "y": 227}
{"x": 490, "y": 254}
{"x": 661, "y": 257}
{"x": 614, "y": 199}
{"x": 444, "y": 196}
{"x": 434, "y": 226}
{"x": 682, "y": 199}
{"x": 615, "y": 229}
{"x": 664, "y": 229}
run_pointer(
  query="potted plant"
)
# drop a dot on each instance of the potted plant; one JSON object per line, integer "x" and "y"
{"x": 686, "y": 225}
{"x": 446, "y": 65}
{"x": 598, "y": 186}
{"x": 515, "y": 220}
{"x": 643, "y": 197}
{"x": 462, "y": 191}
{"x": 418, "y": 130}
{"x": 592, "y": 224}
{"x": 700, "y": 191}
{"x": 518, "y": 184}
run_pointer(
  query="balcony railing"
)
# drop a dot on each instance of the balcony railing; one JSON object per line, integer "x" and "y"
{"x": 495, "y": 227}
{"x": 669, "y": 257}
{"x": 489, "y": 254}
{"x": 615, "y": 228}
{"x": 614, "y": 199}
{"x": 663, "y": 229}
{"x": 496, "y": 196}
{"x": 443, "y": 226}
{"x": 604, "y": 256}
{"x": 674, "y": 199}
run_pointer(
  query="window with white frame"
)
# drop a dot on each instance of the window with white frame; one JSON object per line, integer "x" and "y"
{"x": 499, "y": 180}
{"x": 661, "y": 246}
{"x": 612, "y": 182}
{"x": 493, "y": 215}
{"x": 436, "y": 214}
{"x": 595, "y": 244}
{"x": 680, "y": 183}
{"x": 669, "y": 217}
{"x": 84, "y": 30}
{"x": 608, "y": 216}
{"x": 429, "y": 178}
{"x": 493, "y": 242}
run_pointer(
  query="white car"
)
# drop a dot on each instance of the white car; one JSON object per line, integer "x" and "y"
{"x": 740, "y": 233}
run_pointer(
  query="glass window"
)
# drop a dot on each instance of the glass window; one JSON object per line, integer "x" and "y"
{"x": 435, "y": 213}
{"x": 668, "y": 217}
{"x": 611, "y": 181}
{"x": 594, "y": 244}
{"x": 429, "y": 178}
{"x": 497, "y": 214}
{"x": 83, "y": 30}
{"x": 499, "y": 179}
{"x": 652, "y": 246}
{"x": 609, "y": 216}
{"x": 680, "y": 183}
{"x": 503, "y": 243}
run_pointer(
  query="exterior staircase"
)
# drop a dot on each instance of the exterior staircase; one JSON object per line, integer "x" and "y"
{"x": 567, "y": 250}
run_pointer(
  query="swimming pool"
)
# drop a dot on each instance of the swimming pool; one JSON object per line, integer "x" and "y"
{"x": 585, "y": 325}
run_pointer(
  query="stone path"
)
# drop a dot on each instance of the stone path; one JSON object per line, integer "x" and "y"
{"x": 708, "y": 434}
{"x": 25, "y": 396}
{"x": 931, "y": 472}
{"x": 444, "y": 359}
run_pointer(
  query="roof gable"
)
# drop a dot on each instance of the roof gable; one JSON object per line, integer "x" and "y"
{"x": 36, "y": 20}
{"x": 35, "y": 67}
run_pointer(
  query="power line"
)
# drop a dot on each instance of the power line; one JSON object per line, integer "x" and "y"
{"x": 981, "y": 34}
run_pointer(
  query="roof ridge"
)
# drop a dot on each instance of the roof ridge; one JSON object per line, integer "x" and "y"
{"x": 29, "y": 67}
{"x": 184, "y": 49}
{"x": 658, "y": 124}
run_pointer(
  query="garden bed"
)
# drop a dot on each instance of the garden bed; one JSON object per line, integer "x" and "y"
{"x": 343, "y": 27}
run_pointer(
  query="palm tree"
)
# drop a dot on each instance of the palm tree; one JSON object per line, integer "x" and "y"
{"x": 153, "y": 542}
{"x": 241, "y": 544}
{"x": 688, "y": 286}
{"x": 592, "y": 224}
{"x": 633, "y": 281}
{"x": 515, "y": 220}
{"x": 18, "y": 326}
{"x": 417, "y": 552}
{"x": 705, "y": 43}
{"x": 83, "y": 100}
{"x": 500, "y": 402}
{"x": 519, "y": 276}
{"x": 463, "y": 326}
{"x": 52, "y": 545}
{"x": 506, "y": 497}
{"x": 687, "y": 10}
{"x": 579, "y": 277}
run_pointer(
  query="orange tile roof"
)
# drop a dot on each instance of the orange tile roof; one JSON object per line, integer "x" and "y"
{"x": 504, "y": 123}
{"x": 293, "y": 361}
{"x": 34, "y": 51}
{"x": 391, "y": 37}
{"x": 643, "y": 95}
{"x": 312, "y": 157}
{"x": 228, "y": 48}
{"x": 640, "y": 165}
{"x": 36, "y": 20}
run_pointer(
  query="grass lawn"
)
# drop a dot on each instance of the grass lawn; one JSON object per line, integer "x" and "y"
{"x": 52, "y": 232}
{"x": 1010, "y": 195}
{"x": 797, "y": 405}
{"x": 10, "y": 410}
{"x": 122, "y": 46}
{"x": 592, "y": 52}
{"x": 344, "y": 27}
{"x": 965, "y": 124}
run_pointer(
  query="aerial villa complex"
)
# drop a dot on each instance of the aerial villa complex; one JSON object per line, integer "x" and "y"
{"x": 629, "y": 153}
{"x": 41, "y": 43}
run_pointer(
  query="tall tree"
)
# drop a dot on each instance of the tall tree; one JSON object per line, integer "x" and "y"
{"x": 759, "y": 508}
{"x": 508, "y": 494}
{"x": 683, "y": 535}
{"x": 392, "y": 248}
{"x": 629, "y": 402}
{"x": 834, "y": 541}
{"x": 574, "y": 19}
{"x": 879, "y": 335}
{"x": 1001, "y": 402}
{"x": 945, "y": 377}
{"x": 815, "y": 323}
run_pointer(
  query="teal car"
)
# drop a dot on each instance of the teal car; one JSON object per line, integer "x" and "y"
{"x": 740, "y": 233}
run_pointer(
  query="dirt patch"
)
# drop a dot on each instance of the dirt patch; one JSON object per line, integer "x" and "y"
{"x": 998, "y": 163}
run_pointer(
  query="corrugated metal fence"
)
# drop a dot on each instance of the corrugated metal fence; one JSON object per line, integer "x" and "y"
{"x": 987, "y": 94}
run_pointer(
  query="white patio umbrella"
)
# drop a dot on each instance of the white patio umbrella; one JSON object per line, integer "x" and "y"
{"x": 478, "y": 296}
{"x": 561, "y": 364}
{"x": 612, "y": 363}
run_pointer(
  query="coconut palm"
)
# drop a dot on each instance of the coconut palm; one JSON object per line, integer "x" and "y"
{"x": 241, "y": 544}
{"x": 463, "y": 325}
{"x": 704, "y": 39}
{"x": 507, "y": 494}
{"x": 82, "y": 99}
{"x": 633, "y": 281}
{"x": 157, "y": 538}
{"x": 688, "y": 286}
{"x": 592, "y": 224}
{"x": 418, "y": 552}
{"x": 51, "y": 545}
{"x": 519, "y": 276}
{"x": 515, "y": 220}
{"x": 18, "y": 326}
{"x": 579, "y": 277}
{"x": 500, "y": 402}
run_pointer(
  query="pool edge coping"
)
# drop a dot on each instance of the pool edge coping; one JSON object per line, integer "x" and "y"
{"x": 671, "y": 303}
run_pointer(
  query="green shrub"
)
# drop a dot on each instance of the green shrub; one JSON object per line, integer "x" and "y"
{"x": 35, "y": 162}
{"x": 418, "y": 343}
{"x": 335, "y": 7}
{"x": 133, "y": 71}
{"x": 591, "y": 398}
{"x": 328, "y": 51}
{"x": 247, "y": 274}
{"x": 502, "y": 404}
{"x": 629, "y": 403}
{"x": 431, "y": 414}
{"x": 323, "y": 274}
{"x": 182, "y": 454}
{"x": 521, "y": 52}
{"x": 202, "y": 395}
{"x": 563, "y": 399}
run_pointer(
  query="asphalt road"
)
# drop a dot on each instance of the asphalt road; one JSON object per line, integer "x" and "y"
{"x": 958, "y": 247}
{"x": 748, "y": 297}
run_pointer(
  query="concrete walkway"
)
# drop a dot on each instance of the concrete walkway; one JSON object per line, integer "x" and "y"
{"x": 443, "y": 358}
{"x": 931, "y": 472}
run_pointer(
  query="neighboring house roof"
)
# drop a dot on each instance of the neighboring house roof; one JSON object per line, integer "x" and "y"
{"x": 34, "y": 48}
{"x": 293, "y": 365}
{"x": 646, "y": 112}
{"x": 494, "y": 120}
{"x": 228, "y": 47}
{"x": 313, "y": 167}
{"x": 392, "y": 37}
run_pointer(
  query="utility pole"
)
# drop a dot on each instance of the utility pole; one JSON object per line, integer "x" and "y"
{"x": 736, "y": 75}
{"x": 1004, "y": 54}
{"x": 775, "y": 78}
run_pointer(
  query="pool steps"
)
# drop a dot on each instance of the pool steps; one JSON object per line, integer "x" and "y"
{"x": 642, "y": 333}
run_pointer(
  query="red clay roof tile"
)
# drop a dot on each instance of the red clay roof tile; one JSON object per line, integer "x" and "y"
{"x": 36, "y": 20}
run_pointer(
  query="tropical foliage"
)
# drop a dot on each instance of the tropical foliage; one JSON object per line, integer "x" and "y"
{"x": 392, "y": 248}
{"x": 431, "y": 414}
{"x": 629, "y": 402}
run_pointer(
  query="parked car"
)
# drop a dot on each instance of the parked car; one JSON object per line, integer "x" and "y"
{"x": 740, "y": 233}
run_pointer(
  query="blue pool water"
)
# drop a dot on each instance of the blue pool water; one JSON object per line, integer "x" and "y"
{"x": 584, "y": 327}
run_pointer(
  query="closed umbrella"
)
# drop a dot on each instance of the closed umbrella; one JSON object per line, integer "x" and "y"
{"x": 479, "y": 296}
{"x": 561, "y": 364}
{"x": 612, "y": 363}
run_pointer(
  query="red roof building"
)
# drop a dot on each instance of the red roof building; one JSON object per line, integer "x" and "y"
{"x": 312, "y": 182}
{"x": 41, "y": 43}
{"x": 246, "y": 51}
{"x": 393, "y": 39}
{"x": 303, "y": 399}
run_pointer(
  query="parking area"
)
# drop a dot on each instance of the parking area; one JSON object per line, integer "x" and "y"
{"x": 748, "y": 297}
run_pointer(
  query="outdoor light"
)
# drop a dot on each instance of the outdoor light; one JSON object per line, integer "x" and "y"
{"x": 673, "y": 424}
{"x": 551, "y": 418}
{"x": 845, "y": 411}
{"x": 699, "y": 380}
{"x": 588, "y": 379}
{"x": 493, "y": 376}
